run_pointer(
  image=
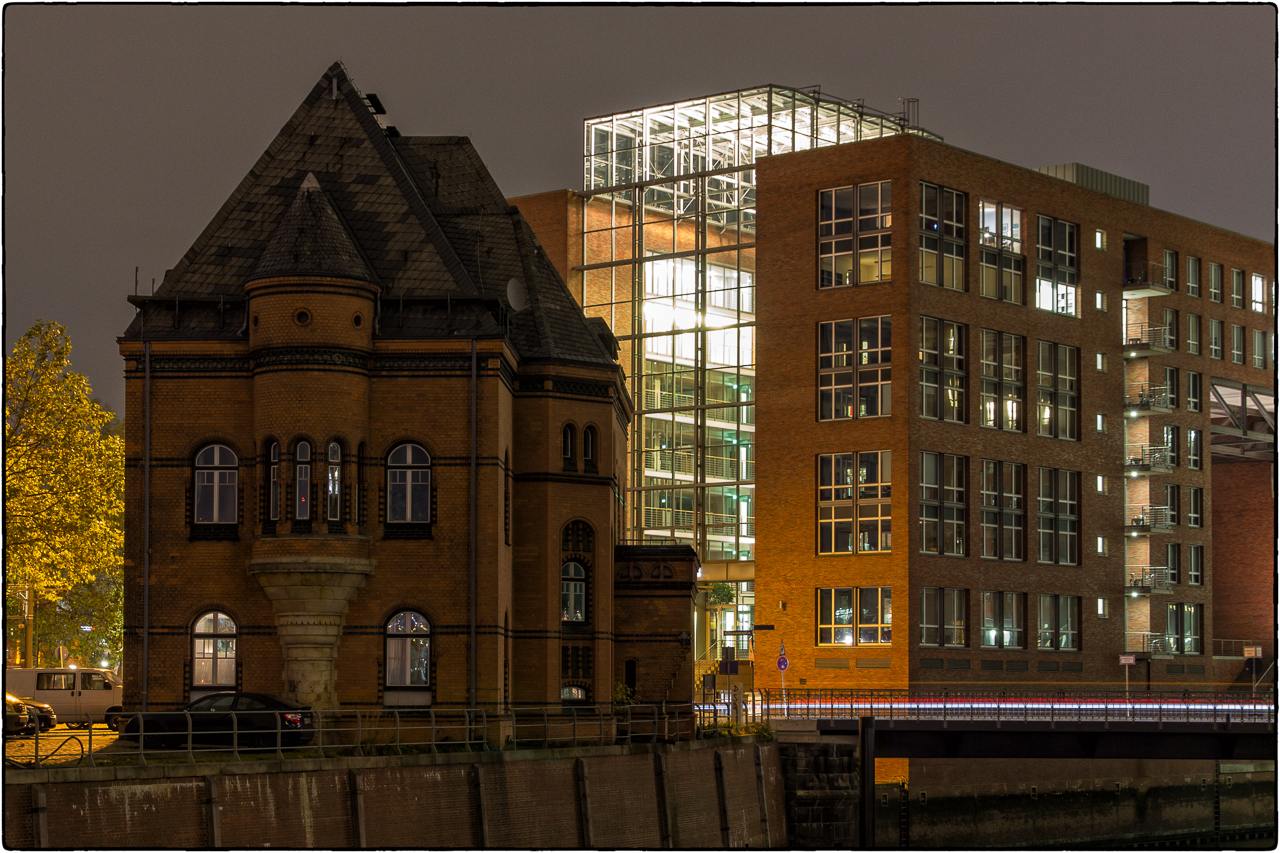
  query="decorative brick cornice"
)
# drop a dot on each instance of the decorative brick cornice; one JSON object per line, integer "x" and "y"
{"x": 309, "y": 357}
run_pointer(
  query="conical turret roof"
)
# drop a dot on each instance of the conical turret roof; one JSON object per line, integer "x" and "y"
{"x": 311, "y": 240}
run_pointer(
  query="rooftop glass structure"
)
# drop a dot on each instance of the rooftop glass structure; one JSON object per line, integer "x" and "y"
{"x": 669, "y": 262}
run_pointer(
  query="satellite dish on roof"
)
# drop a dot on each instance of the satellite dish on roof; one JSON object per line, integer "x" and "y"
{"x": 517, "y": 296}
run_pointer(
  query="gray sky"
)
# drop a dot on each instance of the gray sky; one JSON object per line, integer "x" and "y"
{"x": 126, "y": 127}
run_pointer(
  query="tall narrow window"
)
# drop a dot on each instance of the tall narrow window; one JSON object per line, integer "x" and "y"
{"x": 1171, "y": 327}
{"x": 589, "y": 450}
{"x": 874, "y": 492}
{"x": 1215, "y": 339}
{"x": 568, "y": 447}
{"x": 1058, "y": 393}
{"x": 1182, "y": 628}
{"x": 1193, "y": 392}
{"x": 1195, "y": 566}
{"x": 1059, "y": 517}
{"x": 836, "y": 361}
{"x": 333, "y": 484}
{"x": 302, "y": 481}
{"x": 1195, "y": 507}
{"x": 943, "y": 507}
{"x": 1173, "y": 561}
{"x": 1002, "y": 510}
{"x": 1171, "y": 269}
{"x": 1259, "y": 349}
{"x": 408, "y": 485}
{"x": 1001, "y": 381}
{"x": 1193, "y": 276}
{"x": 213, "y": 654}
{"x": 1194, "y": 449}
{"x": 1237, "y": 288}
{"x": 1171, "y": 385}
{"x": 1193, "y": 334}
{"x": 874, "y": 371}
{"x": 1173, "y": 502}
{"x": 1056, "y": 247}
{"x": 942, "y": 370}
{"x": 408, "y": 647}
{"x": 1001, "y": 261}
{"x": 573, "y": 592}
{"x": 1258, "y": 294}
{"x": 874, "y": 219}
{"x": 835, "y": 503}
{"x": 1003, "y": 620}
{"x": 1237, "y": 344}
{"x": 875, "y": 615}
{"x": 1215, "y": 282}
{"x": 216, "y": 485}
{"x": 942, "y": 237}
{"x": 273, "y": 485}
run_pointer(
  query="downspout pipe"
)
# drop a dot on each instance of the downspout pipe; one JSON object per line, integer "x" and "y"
{"x": 146, "y": 512}
{"x": 473, "y": 542}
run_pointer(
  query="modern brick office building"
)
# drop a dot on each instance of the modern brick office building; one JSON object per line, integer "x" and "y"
{"x": 988, "y": 400}
{"x": 375, "y": 450}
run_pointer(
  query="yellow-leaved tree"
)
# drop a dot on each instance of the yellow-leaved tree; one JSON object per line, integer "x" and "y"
{"x": 64, "y": 472}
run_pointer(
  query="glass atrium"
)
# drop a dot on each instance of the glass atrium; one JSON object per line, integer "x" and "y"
{"x": 669, "y": 262}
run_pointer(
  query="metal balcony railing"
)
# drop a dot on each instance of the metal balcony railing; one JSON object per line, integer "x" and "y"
{"x": 1147, "y": 397}
{"x": 1149, "y": 577}
{"x": 715, "y": 467}
{"x": 1154, "y": 280}
{"x": 1232, "y": 648}
{"x": 1143, "y": 517}
{"x": 1147, "y": 457}
{"x": 1161, "y": 644}
{"x": 726, "y": 411}
{"x": 658, "y": 517}
{"x": 1144, "y": 338}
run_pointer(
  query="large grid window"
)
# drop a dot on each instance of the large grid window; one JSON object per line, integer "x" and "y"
{"x": 1258, "y": 294}
{"x": 1059, "y": 517}
{"x": 409, "y": 485}
{"x": 1002, "y": 510}
{"x": 1237, "y": 344}
{"x": 838, "y": 495}
{"x": 1215, "y": 282}
{"x": 942, "y": 370}
{"x": 836, "y": 616}
{"x": 1193, "y": 392}
{"x": 1195, "y": 566}
{"x": 1182, "y": 628}
{"x": 216, "y": 485}
{"x": 1001, "y": 260}
{"x": 1058, "y": 391}
{"x": 838, "y": 362}
{"x": 943, "y": 506}
{"x": 943, "y": 617}
{"x": 1193, "y": 276}
{"x": 1002, "y": 381}
{"x": 1195, "y": 507}
{"x": 213, "y": 652}
{"x": 1058, "y": 623}
{"x": 837, "y": 235}
{"x": 875, "y": 615}
{"x": 1237, "y": 288}
{"x": 1215, "y": 339}
{"x": 1057, "y": 248}
{"x": 1004, "y": 620}
{"x": 942, "y": 237}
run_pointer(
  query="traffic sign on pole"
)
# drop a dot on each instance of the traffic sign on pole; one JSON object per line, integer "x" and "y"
{"x": 782, "y": 662}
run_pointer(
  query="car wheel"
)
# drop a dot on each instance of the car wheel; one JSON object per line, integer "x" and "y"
{"x": 116, "y": 722}
{"x": 77, "y": 725}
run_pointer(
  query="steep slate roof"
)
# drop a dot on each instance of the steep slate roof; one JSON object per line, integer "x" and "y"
{"x": 419, "y": 216}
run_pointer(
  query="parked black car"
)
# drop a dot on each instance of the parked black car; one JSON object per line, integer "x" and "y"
{"x": 257, "y": 719}
{"x": 38, "y": 713}
{"x": 16, "y": 716}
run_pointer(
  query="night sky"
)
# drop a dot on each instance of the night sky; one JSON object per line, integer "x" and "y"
{"x": 126, "y": 127}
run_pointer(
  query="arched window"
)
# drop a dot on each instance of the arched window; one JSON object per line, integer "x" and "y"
{"x": 567, "y": 441}
{"x": 589, "y": 449}
{"x": 408, "y": 485}
{"x": 213, "y": 651}
{"x": 334, "y": 484}
{"x": 216, "y": 485}
{"x": 408, "y": 650}
{"x": 273, "y": 485}
{"x": 573, "y": 694}
{"x": 302, "y": 472}
{"x": 573, "y": 592}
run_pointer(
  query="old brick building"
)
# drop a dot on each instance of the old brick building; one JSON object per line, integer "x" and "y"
{"x": 877, "y": 373}
{"x": 374, "y": 451}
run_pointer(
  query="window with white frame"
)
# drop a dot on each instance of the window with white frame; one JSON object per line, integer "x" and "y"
{"x": 1193, "y": 276}
{"x": 1215, "y": 339}
{"x": 573, "y": 592}
{"x": 942, "y": 237}
{"x": 1058, "y": 621}
{"x": 1057, "y": 247}
{"x": 1171, "y": 327}
{"x": 1259, "y": 349}
{"x": 837, "y": 234}
{"x": 213, "y": 651}
{"x": 1058, "y": 520}
{"x": 943, "y": 506}
{"x": 840, "y": 365}
{"x": 1195, "y": 449}
{"x": 1002, "y": 381}
{"x": 1170, "y": 269}
{"x": 1058, "y": 391}
{"x": 1182, "y": 628}
{"x": 216, "y": 485}
{"x": 1173, "y": 561}
{"x": 1195, "y": 508}
{"x": 1100, "y": 240}
{"x": 1193, "y": 392}
{"x": 333, "y": 484}
{"x": 943, "y": 617}
{"x": 1173, "y": 502}
{"x": 1171, "y": 385}
{"x": 875, "y": 615}
{"x": 1215, "y": 282}
{"x": 1171, "y": 439}
{"x": 408, "y": 650}
{"x": 408, "y": 485}
{"x": 1002, "y": 510}
{"x": 1001, "y": 261}
{"x": 942, "y": 370}
{"x": 1195, "y": 566}
{"x": 1003, "y": 620}
{"x": 1193, "y": 334}
{"x": 1237, "y": 344}
{"x": 1237, "y": 288}
{"x": 1258, "y": 294}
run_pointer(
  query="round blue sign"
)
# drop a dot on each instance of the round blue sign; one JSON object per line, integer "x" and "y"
{"x": 782, "y": 662}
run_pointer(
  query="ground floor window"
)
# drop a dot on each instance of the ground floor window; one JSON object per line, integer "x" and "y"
{"x": 213, "y": 657}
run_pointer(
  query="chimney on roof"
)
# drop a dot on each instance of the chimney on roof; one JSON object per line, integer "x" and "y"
{"x": 375, "y": 104}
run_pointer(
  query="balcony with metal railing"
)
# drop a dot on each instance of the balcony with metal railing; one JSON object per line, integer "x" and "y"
{"x": 722, "y": 411}
{"x": 1154, "y": 280}
{"x": 1143, "y": 398}
{"x": 1146, "y": 459}
{"x": 1143, "y": 339}
{"x": 1150, "y": 642}
{"x": 1145, "y": 518}
{"x": 682, "y": 462}
{"x": 716, "y": 523}
{"x": 1145, "y": 580}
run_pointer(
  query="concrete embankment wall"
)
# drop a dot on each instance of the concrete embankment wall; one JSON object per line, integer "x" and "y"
{"x": 726, "y": 793}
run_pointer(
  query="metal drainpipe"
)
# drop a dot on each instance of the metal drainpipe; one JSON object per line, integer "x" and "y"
{"x": 146, "y": 513}
{"x": 473, "y": 522}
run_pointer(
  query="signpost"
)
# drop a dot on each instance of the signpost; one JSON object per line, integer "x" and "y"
{"x": 783, "y": 663}
{"x": 1127, "y": 661}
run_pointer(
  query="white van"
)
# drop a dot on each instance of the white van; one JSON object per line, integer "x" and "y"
{"x": 72, "y": 693}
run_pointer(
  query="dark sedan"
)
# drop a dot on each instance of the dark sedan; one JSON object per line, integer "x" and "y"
{"x": 257, "y": 719}
{"x": 38, "y": 713}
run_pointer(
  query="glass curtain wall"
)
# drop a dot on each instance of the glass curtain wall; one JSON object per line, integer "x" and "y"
{"x": 669, "y": 216}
